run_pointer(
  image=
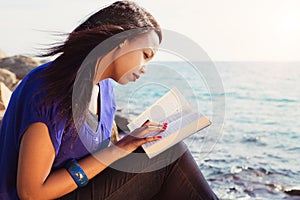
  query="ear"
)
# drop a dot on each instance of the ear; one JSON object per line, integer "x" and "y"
{"x": 124, "y": 43}
{"x": 121, "y": 45}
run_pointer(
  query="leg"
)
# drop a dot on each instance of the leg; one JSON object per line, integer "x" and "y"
{"x": 187, "y": 180}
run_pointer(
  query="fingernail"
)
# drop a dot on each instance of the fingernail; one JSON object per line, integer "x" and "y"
{"x": 159, "y": 136}
{"x": 165, "y": 124}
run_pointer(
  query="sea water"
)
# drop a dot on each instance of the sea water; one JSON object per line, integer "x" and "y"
{"x": 256, "y": 153}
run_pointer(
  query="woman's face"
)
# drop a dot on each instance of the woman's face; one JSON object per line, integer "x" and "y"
{"x": 131, "y": 57}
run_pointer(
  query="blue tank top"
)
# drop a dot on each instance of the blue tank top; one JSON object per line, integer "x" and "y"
{"x": 22, "y": 111}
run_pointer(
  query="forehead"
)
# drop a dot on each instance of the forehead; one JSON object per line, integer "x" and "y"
{"x": 146, "y": 40}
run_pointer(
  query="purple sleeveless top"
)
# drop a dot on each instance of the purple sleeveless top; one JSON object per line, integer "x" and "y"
{"x": 22, "y": 111}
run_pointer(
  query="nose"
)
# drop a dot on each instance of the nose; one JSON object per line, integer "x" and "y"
{"x": 143, "y": 69}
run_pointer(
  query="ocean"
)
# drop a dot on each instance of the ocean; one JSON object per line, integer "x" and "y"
{"x": 253, "y": 149}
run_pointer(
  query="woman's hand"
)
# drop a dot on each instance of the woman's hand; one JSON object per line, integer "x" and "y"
{"x": 138, "y": 137}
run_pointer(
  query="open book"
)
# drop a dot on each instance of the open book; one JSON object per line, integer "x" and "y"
{"x": 182, "y": 121}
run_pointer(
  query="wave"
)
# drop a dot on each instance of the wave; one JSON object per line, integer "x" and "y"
{"x": 235, "y": 95}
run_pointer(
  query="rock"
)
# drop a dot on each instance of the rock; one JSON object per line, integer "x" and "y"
{"x": 2, "y": 54}
{"x": 114, "y": 134}
{"x": 122, "y": 124}
{"x": 119, "y": 128}
{"x": 1, "y": 115}
{"x": 8, "y": 78}
{"x": 44, "y": 61}
{"x": 5, "y": 94}
{"x": 15, "y": 85}
{"x": 293, "y": 190}
{"x": 19, "y": 65}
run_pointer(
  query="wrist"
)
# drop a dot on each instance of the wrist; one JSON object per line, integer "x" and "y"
{"x": 110, "y": 154}
{"x": 117, "y": 152}
{"x": 77, "y": 173}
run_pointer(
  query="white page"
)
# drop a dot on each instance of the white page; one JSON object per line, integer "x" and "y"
{"x": 154, "y": 148}
{"x": 171, "y": 104}
{"x": 175, "y": 126}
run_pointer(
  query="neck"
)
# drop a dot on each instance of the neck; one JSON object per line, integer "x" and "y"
{"x": 103, "y": 69}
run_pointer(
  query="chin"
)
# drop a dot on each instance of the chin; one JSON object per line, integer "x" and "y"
{"x": 123, "y": 82}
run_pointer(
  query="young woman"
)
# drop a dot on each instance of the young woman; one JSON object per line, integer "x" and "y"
{"x": 54, "y": 138}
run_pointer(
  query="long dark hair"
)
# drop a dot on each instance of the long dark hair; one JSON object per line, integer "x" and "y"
{"x": 60, "y": 75}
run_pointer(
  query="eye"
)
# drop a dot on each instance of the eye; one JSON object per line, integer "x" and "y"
{"x": 146, "y": 55}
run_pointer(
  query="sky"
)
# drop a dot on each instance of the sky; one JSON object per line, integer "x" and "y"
{"x": 227, "y": 30}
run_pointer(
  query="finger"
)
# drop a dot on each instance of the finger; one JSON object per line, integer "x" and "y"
{"x": 154, "y": 124}
{"x": 147, "y": 139}
{"x": 152, "y": 138}
{"x": 148, "y": 129}
{"x": 163, "y": 126}
{"x": 150, "y": 123}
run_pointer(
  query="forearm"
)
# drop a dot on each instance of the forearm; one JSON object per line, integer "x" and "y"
{"x": 94, "y": 164}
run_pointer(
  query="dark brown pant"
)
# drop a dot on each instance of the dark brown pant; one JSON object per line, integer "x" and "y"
{"x": 173, "y": 174}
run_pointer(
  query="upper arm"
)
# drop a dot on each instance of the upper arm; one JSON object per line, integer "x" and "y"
{"x": 36, "y": 157}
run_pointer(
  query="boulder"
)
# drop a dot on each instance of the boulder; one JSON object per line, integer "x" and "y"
{"x": 121, "y": 123}
{"x": 1, "y": 115}
{"x": 114, "y": 134}
{"x": 5, "y": 94}
{"x": 119, "y": 128}
{"x": 8, "y": 78}
{"x": 19, "y": 65}
{"x": 2, "y": 54}
{"x": 15, "y": 85}
{"x": 292, "y": 190}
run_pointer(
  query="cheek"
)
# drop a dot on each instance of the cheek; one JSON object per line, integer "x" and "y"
{"x": 127, "y": 63}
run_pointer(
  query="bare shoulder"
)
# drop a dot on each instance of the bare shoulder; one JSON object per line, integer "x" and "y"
{"x": 36, "y": 139}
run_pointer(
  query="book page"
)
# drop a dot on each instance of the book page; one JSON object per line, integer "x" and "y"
{"x": 175, "y": 126}
{"x": 171, "y": 104}
{"x": 176, "y": 134}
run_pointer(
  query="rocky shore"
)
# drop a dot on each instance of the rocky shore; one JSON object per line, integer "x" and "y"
{"x": 14, "y": 68}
